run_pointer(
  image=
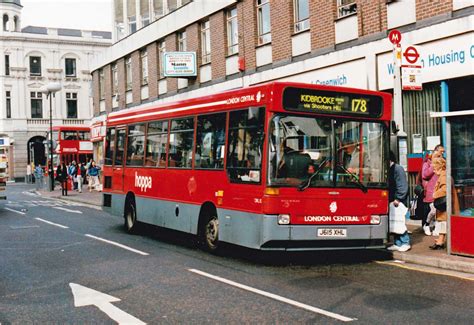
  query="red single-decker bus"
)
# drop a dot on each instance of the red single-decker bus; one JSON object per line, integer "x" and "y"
{"x": 279, "y": 166}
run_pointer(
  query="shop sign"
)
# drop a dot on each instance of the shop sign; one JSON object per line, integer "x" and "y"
{"x": 180, "y": 64}
{"x": 440, "y": 60}
{"x": 97, "y": 132}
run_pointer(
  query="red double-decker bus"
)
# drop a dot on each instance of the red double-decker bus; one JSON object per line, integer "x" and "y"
{"x": 280, "y": 166}
{"x": 71, "y": 143}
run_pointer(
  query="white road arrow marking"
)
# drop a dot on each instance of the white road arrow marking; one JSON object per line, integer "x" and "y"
{"x": 68, "y": 210}
{"x": 84, "y": 296}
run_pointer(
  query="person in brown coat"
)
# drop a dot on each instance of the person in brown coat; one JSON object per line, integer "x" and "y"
{"x": 439, "y": 167}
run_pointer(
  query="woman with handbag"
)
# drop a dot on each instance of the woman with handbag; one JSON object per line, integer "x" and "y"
{"x": 439, "y": 202}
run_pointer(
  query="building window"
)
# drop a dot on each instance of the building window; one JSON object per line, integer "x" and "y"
{"x": 161, "y": 54}
{"x": 173, "y": 5}
{"x": 5, "y": 22}
{"x": 8, "y": 104}
{"x": 145, "y": 20}
{"x": 264, "y": 23}
{"x": 128, "y": 73}
{"x": 36, "y": 104}
{"x": 205, "y": 42}
{"x": 182, "y": 41}
{"x": 101, "y": 84}
{"x": 301, "y": 15}
{"x": 70, "y": 67}
{"x": 132, "y": 24}
{"x": 7, "y": 65}
{"x": 159, "y": 8}
{"x": 114, "y": 79}
{"x": 71, "y": 104}
{"x": 346, "y": 8}
{"x": 232, "y": 32}
{"x": 144, "y": 66}
{"x": 35, "y": 66}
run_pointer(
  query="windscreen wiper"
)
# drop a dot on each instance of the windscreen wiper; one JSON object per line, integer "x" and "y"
{"x": 354, "y": 178}
{"x": 305, "y": 184}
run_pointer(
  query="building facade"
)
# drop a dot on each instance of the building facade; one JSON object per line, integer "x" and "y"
{"x": 32, "y": 57}
{"x": 239, "y": 43}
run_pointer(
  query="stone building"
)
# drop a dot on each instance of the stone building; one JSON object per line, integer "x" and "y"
{"x": 31, "y": 57}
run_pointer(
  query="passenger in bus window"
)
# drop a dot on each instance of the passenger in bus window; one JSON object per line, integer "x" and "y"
{"x": 352, "y": 160}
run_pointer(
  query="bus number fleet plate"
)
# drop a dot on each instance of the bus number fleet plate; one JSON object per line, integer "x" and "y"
{"x": 327, "y": 232}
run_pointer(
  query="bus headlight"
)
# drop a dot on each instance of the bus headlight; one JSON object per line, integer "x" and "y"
{"x": 283, "y": 219}
{"x": 375, "y": 219}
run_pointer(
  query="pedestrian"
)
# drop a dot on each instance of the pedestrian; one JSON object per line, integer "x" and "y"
{"x": 93, "y": 173}
{"x": 63, "y": 178}
{"x": 398, "y": 194}
{"x": 28, "y": 174}
{"x": 81, "y": 173}
{"x": 429, "y": 179}
{"x": 439, "y": 193}
{"x": 38, "y": 173}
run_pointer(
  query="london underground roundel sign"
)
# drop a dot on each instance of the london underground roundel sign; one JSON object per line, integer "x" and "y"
{"x": 411, "y": 54}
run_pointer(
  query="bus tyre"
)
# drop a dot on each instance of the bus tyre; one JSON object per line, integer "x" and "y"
{"x": 130, "y": 217}
{"x": 211, "y": 234}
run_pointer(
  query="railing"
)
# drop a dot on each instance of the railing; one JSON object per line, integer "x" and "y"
{"x": 37, "y": 121}
{"x": 40, "y": 121}
{"x": 73, "y": 122}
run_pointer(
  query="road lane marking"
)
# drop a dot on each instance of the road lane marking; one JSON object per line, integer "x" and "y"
{"x": 68, "y": 210}
{"x": 117, "y": 244}
{"x": 13, "y": 210}
{"x": 52, "y": 223}
{"x": 84, "y": 296}
{"x": 275, "y": 297}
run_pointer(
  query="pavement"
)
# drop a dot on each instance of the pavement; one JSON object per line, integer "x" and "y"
{"x": 420, "y": 253}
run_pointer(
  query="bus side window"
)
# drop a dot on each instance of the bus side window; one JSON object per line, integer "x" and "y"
{"x": 180, "y": 148}
{"x": 110, "y": 146}
{"x": 135, "y": 145}
{"x": 245, "y": 142}
{"x": 210, "y": 141}
{"x": 120, "y": 145}
{"x": 156, "y": 140}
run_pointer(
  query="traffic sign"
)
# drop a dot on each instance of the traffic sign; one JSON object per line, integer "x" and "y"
{"x": 395, "y": 37}
{"x": 411, "y": 55}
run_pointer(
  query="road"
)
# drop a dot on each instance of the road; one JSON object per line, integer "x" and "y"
{"x": 68, "y": 263}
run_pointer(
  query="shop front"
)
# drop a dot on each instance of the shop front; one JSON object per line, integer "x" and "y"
{"x": 460, "y": 171}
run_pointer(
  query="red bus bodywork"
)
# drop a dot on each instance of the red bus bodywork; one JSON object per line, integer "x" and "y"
{"x": 248, "y": 214}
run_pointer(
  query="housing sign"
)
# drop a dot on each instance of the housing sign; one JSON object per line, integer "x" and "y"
{"x": 179, "y": 64}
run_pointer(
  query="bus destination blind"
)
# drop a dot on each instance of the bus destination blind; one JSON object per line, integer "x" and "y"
{"x": 331, "y": 102}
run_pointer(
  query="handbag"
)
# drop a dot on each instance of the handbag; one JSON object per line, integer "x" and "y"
{"x": 440, "y": 203}
{"x": 419, "y": 190}
{"x": 415, "y": 208}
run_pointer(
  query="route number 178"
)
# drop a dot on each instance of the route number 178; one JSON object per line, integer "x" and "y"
{"x": 359, "y": 105}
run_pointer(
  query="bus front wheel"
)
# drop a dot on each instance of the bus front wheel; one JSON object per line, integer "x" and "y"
{"x": 130, "y": 217}
{"x": 211, "y": 234}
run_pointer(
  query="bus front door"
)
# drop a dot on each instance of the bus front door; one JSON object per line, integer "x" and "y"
{"x": 118, "y": 167}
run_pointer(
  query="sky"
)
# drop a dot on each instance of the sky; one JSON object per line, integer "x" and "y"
{"x": 75, "y": 14}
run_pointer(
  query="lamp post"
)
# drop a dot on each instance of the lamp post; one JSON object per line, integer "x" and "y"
{"x": 49, "y": 91}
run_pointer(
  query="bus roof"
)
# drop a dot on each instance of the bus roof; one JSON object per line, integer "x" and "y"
{"x": 258, "y": 95}
{"x": 71, "y": 128}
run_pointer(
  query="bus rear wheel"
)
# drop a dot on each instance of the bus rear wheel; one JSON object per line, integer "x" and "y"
{"x": 130, "y": 221}
{"x": 211, "y": 234}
